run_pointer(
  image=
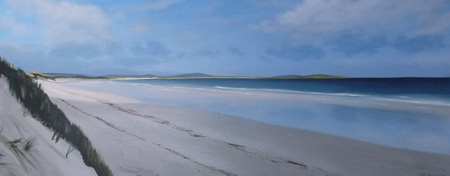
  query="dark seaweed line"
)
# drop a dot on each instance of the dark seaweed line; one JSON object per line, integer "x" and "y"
{"x": 241, "y": 148}
{"x": 157, "y": 120}
{"x": 198, "y": 163}
{"x": 164, "y": 122}
{"x": 102, "y": 120}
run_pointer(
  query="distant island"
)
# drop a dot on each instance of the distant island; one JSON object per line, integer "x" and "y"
{"x": 193, "y": 75}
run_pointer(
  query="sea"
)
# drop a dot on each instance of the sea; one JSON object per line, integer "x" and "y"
{"x": 407, "y": 113}
{"x": 432, "y": 88}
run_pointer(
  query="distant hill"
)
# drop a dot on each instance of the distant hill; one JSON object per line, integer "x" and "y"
{"x": 192, "y": 75}
{"x": 315, "y": 76}
{"x": 286, "y": 76}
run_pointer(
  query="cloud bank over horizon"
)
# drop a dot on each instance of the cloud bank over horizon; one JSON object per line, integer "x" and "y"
{"x": 262, "y": 38}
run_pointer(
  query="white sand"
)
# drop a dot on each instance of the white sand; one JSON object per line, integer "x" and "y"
{"x": 45, "y": 157}
{"x": 137, "y": 138}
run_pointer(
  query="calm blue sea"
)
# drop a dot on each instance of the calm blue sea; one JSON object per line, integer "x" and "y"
{"x": 425, "y": 88}
{"x": 425, "y": 126}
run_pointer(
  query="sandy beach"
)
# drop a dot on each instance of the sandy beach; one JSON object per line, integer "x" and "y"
{"x": 141, "y": 138}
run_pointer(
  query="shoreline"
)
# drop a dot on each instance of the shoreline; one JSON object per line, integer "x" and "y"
{"x": 320, "y": 113}
{"x": 156, "y": 139}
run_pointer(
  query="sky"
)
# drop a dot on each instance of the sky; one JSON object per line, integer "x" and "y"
{"x": 357, "y": 38}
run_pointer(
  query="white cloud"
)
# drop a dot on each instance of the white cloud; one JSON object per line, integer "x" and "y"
{"x": 66, "y": 22}
{"x": 160, "y": 4}
{"x": 12, "y": 25}
{"x": 322, "y": 17}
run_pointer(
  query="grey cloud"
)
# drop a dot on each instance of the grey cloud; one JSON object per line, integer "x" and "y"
{"x": 23, "y": 56}
{"x": 419, "y": 43}
{"x": 352, "y": 44}
{"x": 152, "y": 48}
{"x": 76, "y": 50}
{"x": 296, "y": 53}
{"x": 236, "y": 51}
{"x": 206, "y": 52}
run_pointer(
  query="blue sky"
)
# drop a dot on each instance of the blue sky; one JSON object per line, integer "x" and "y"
{"x": 376, "y": 38}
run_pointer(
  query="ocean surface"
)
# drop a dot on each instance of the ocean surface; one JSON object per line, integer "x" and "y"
{"x": 408, "y": 113}
{"x": 399, "y": 88}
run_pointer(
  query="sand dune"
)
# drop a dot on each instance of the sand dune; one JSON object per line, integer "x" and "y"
{"x": 45, "y": 156}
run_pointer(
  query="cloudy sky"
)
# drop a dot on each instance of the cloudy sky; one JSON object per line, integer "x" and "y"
{"x": 233, "y": 37}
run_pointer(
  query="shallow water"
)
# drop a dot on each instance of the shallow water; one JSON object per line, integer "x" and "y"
{"x": 408, "y": 123}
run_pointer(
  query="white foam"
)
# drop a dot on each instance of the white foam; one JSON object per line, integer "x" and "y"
{"x": 414, "y": 100}
{"x": 291, "y": 91}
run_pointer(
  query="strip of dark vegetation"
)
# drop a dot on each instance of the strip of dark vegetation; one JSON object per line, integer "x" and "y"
{"x": 30, "y": 94}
